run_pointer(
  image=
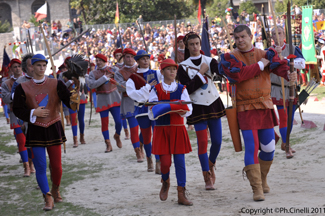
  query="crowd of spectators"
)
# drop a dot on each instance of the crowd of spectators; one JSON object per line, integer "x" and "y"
{"x": 158, "y": 38}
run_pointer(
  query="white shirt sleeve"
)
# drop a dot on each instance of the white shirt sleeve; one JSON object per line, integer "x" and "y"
{"x": 141, "y": 95}
{"x": 185, "y": 97}
{"x": 202, "y": 78}
{"x": 152, "y": 97}
{"x": 260, "y": 63}
{"x": 160, "y": 76}
{"x": 32, "y": 118}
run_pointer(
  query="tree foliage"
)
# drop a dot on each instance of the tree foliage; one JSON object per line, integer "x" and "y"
{"x": 218, "y": 8}
{"x": 248, "y": 6}
{"x": 281, "y": 6}
{"x": 33, "y": 20}
{"x": 5, "y": 27}
{"x": 103, "y": 11}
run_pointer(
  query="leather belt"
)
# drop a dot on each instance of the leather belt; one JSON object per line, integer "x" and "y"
{"x": 275, "y": 84}
{"x": 260, "y": 99}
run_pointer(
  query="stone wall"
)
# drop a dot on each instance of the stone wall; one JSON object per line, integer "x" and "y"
{"x": 6, "y": 38}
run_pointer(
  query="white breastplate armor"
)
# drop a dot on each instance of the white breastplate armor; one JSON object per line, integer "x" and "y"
{"x": 208, "y": 93}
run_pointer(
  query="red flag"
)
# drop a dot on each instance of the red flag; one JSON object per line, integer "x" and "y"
{"x": 117, "y": 16}
{"x": 199, "y": 12}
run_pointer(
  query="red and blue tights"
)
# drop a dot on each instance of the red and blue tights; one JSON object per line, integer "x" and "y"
{"x": 21, "y": 140}
{"x": 74, "y": 122}
{"x": 283, "y": 117}
{"x": 134, "y": 128}
{"x": 145, "y": 127}
{"x": 81, "y": 118}
{"x": 179, "y": 161}
{"x": 115, "y": 111}
{"x": 202, "y": 141}
{"x": 39, "y": 160}
{"x": 254, "y": 139}
{"x": 141, "y": 138}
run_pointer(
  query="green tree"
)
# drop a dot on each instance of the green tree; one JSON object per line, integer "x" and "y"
{"x": 103, "y": 11}
{"x": 249, "y": 7}
{"x": 32, "y": 19}
{"x": 218, "y": 8}
{"x": 5, "y": 27}
{"x": 281, "y": 7}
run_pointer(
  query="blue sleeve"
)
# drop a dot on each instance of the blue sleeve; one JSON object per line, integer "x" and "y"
{"x": 14, "y": 87}
{"x": 298, "y": 53}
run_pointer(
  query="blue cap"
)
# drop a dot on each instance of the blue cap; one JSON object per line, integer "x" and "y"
{"x": 38, "y": 57}
{"x": 140, "y": 54}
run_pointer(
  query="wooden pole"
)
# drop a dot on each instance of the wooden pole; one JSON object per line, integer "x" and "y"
{"x": 54, "y": 74}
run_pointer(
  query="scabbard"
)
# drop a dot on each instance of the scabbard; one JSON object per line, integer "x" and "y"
{"x": 234, "y": 128}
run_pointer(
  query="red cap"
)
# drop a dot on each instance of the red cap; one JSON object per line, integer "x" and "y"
{"x": 129, "y": 51}
{"x": 66, "y": 59}
{"x": 180, "y": 38}
{"x": 101, "y": 56}
{"x": 214, "y": 52}
{"x": 62, "y": 66}
{"x": 201, "y": 52}
{"x": 14, "y": 61}
{"x": 161, "y": 57}
{"x": 92, "y": 64}
{"x": 167, "y": 63}
{"x": 117, "y": 51}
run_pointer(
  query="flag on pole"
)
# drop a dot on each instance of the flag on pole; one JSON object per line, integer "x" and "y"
{"x": 199, "y": 12}
{"x": 117, "y": 15}
{"x": 205, "y": 38}
{"x": 41, "y": 13}
{"x": 320, "y": 25}
{"x": 5, "y": 63}
{"x": 308, "y": 41}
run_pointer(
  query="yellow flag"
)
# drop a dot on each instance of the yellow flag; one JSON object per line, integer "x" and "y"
{"x": 320, "y": 25}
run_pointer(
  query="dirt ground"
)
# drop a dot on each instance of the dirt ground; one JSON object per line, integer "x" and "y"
{"x": 115, "y": 184}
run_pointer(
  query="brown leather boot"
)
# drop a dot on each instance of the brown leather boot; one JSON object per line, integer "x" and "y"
{"x": 67, "y": 119}
{"x": 26, "y": 169}
{"x": 127, "y": 134}
{"x": 265, "y": 168}
{"x": 49, "y": 204}
{"x": 56, "y": 194}
{"x": 108, "y": 146}
{"x": 8, "y": 121}
{"x": 150, "y": 165}
{"x": 182, "y": 199}
{"x": 82, "y": 139}
{"x": 138, "y": 154}
{"x": 158, "y": 164}
{"x": 289, "y": 153}
{"x": 118, "y": 140}
{"x": 31, "y": 166}
{"x": 142, "y": 151}
{"x": 75, "y": 142}
{"x": 164, "y": 189}
{"x": 213, "y": 175}
{"x": 208, "y": 180}
{"x": 253, "y": 173}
